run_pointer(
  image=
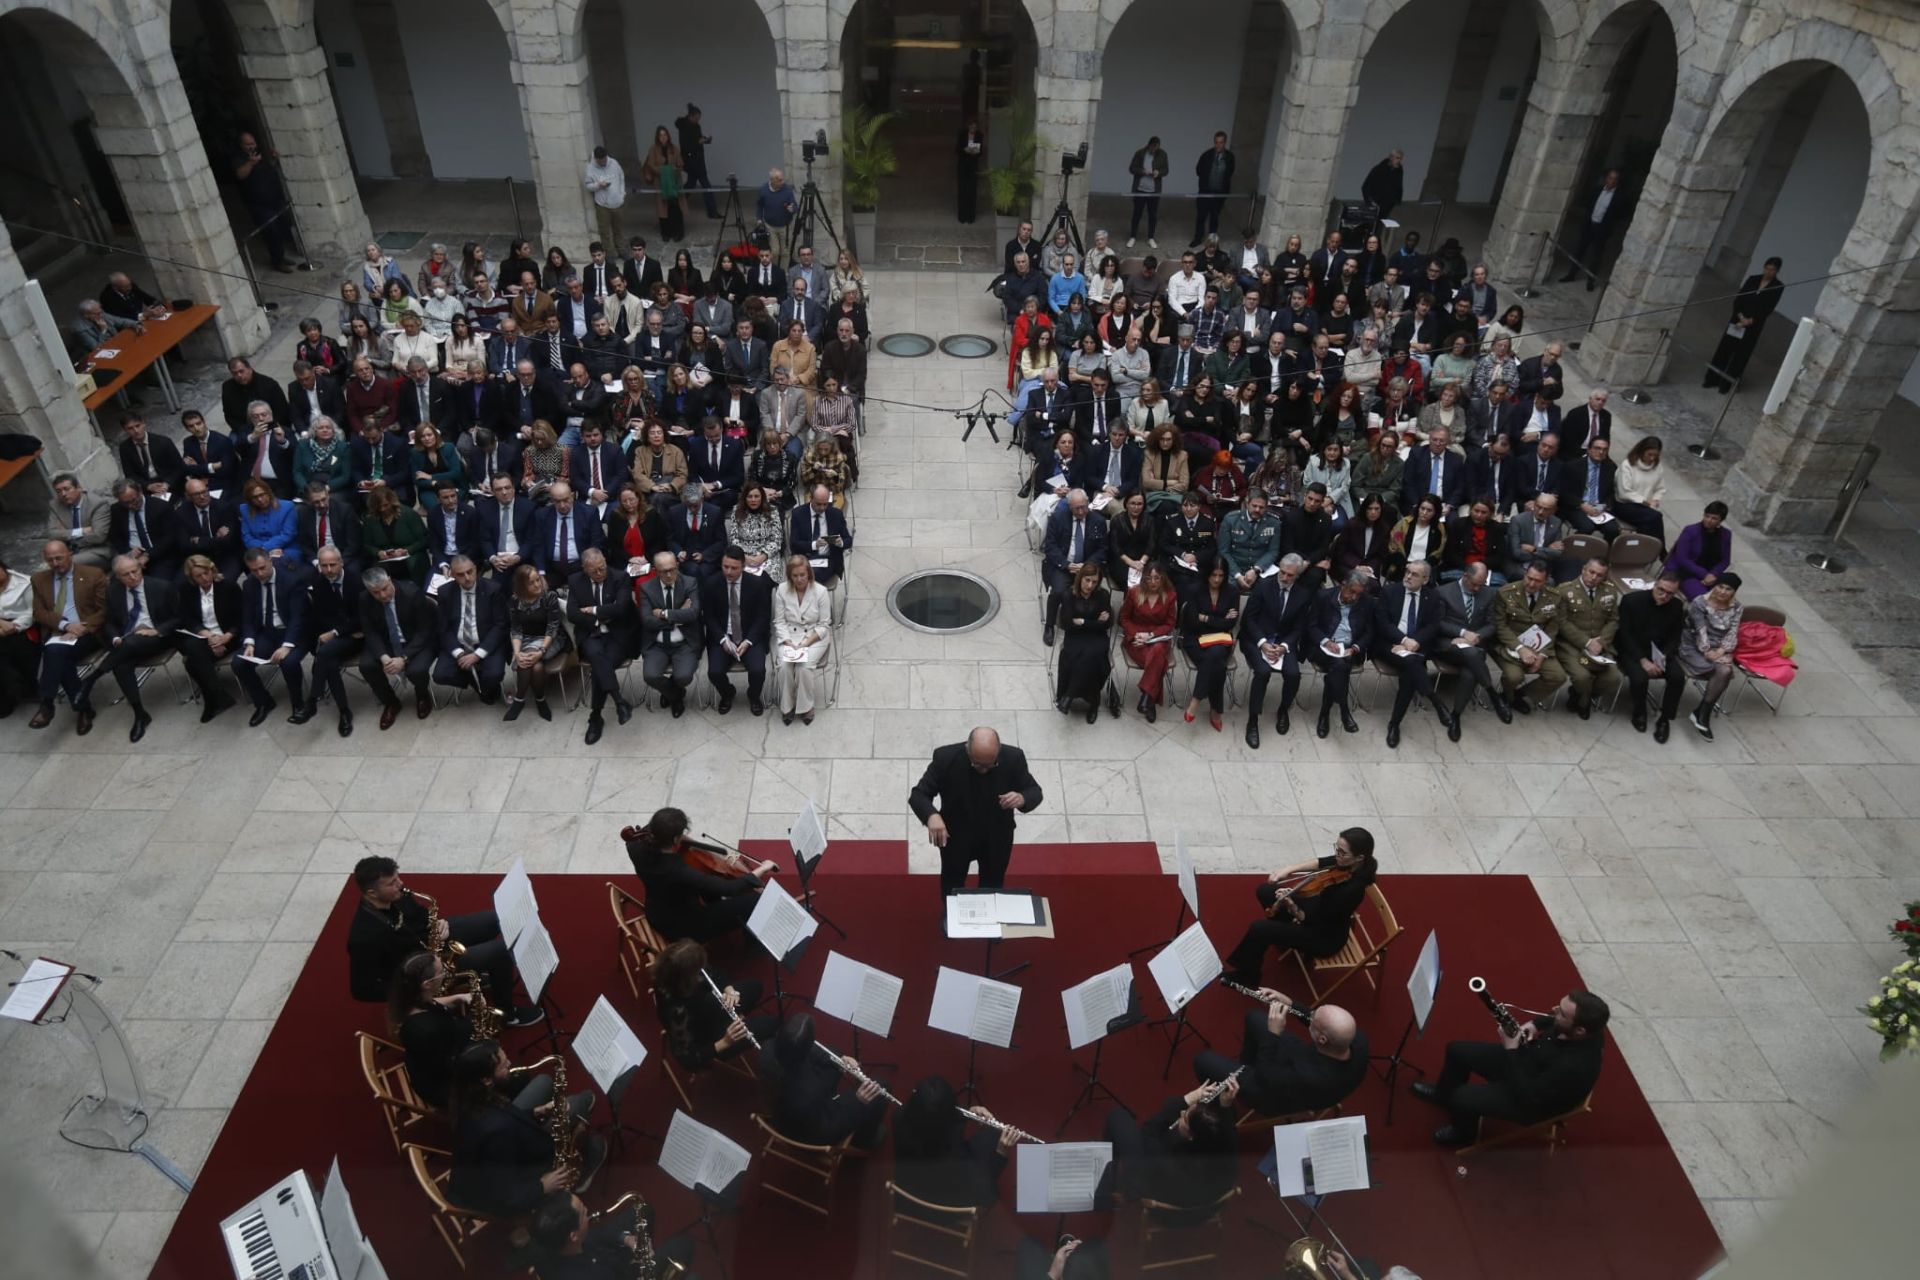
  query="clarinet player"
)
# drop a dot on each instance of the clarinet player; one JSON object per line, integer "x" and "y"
{"x": 1543, "y": 1069}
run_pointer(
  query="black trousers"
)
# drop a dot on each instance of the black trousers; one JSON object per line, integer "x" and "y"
{"x": 416, "y": 674}
{"x": 328, "y": 660}
{"x": 709, "y": 920}
{"x": 485, "y": 675}
{"x": 1337, "y": 675}
{"x": 1211, "y": 1066}
{"x": 992, "y": 853}
{"x": 1730, "y": 358}
{"x": 1262, "y": 673}
{"x": 248, "y": 673}
{"x": 719, "y": 661}
{"x": 1149, "y": 205}
{"x": 123, "y": 664}
{"x": 19, "y": 668}
{"x": 1493, "y": 1096}
{"x": 1676, "y": 684}
{"x": 1415, "y": 680}
{"x": 1210, "y": 672}
{"x": 1206, "y": 215}
{"x": 1281, "y": 934}
{"x": 1058, "y": 581}
{"x": 1472, "y": 663}
{"x": 602, "y": 655}
{"x": 487, "y": 954}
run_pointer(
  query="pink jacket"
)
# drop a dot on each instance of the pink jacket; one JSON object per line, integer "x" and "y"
{"x": 1758, "y": 651}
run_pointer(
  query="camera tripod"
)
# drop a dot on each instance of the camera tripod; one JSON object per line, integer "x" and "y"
{"x": 1063, "y": 218}
{"x": 730, "y": 216}
{"x": 812, "y": 207}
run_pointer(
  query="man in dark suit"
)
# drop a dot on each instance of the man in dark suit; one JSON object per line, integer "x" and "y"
{"x": 1536, "y": 534}
{"x": 799, "y": 305}
{"x": 670, "y": 632}
{"x": 1323, "y": 267}
{"x": 562, "y": 530}
{"x": 1600, "y": 214}
{"x": 1047, "y": 412}
{"x": 144, "y": 527}
{"x": 1342, "y": 619}
{"x": 1542, "y": 471}
{"x": 242, "y": 389}
{"x": 1213, "y": 175}
{"x": 507, "y": 348}
{"x": 333, "y": 625}
{"x": 1096, "y": 411}
{"x": 473, "y": 631}
{"x": 150, "y": 461}
{"x": 273, "y": 611}
{"x": 423, "y": 397}
{"x": 504, "y": 524}
{"x": 1287, "y": 1074}
{"x": 263, "y": 432}
{"x": 736, "y": 609}
{"x": 600, "y": 606}
{"x": 1543, "y": 1072}
{"x": 765, "y": 279}
{"x": 1486, "y": 416}
{"x": 1543, "y": 372}
{"x": 311, "y": 396}
{"x": 1651, "y": 622}
{"x": 141, "y": 617}
{"x": 1586, "y": 490}
{"x": 1494, "y": 473}
{"x": 401, "y": 634}
{"x": 979, "y": 785}
{"x": 485, "y": 455}
{"x": 818, "y": 531}
{"x": 1114, "y": 468}
{"x": 523, "y": 401}
{"x": 642, "y": 272}
{"x": 1306, "y": 529}
{"x": 654, "y": 350}
{"x": 576, "y": 310}
{"x": 451, "y": 527}
{"x": 327, "y": 519}
{"x": 208, "y": 528}
{"x": 1583, "y": 424}
{"x": 1465, "y": 637}
{"x": 718, "y": 465}
{"x": 695, "y": 533}
{"x": 376, "y": 457}
{"x": 596, "y": 466}
{"x": 1406, "y": 633}
{"x": 1180, "y": 365}
{"x": 1434, "y": 469}
{"x": 1076, "y": 535}
{"x": 553, "y": 351}
{"x": 745, "y": 357}
{"x": 472, "y": 405}
{"x": 1758, "y": 297}
{"x": 207, "y": 453}
{"x": 581, "y": 398}
{"x": 1270, "y": 625}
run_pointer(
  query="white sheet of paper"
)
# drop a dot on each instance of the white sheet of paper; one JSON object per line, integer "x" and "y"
{"x": 513, "y": 901}
{"x": 1171, "y": 977}
{"x": 606, "y": 1045}
{"x": 974, "y": 1007}
{"x": 1133, "y": 577}
{"x": 247, "y": 657}
{"x": 534, "y": 956}
{"x": 792, "y": 654}
{"x": 1654, "y": 655}
{"x": 1197, "y": 955}
{"x": 1534, "y": 638}
{"x": 971, "y": 915}
{"x": 779, "y": 922}
{"x": 807, "y": 837}
{"x": 1339, "y": 1161}
{"x": 1270, "y": 570}
{"x": 1638, "y": 584}
{"x": 342, "y": 1229}
{"x": 1605, "y": 660}
{"x": 1100, "y": 501}
{"x": 1424, "y": 982}
{"x": 62, "y": 640}
{"x": 1059, "y": 1177}
{"x": 696, "y": 1155}
{"x": 1015, "y": 908}
{"x": 1094, "y": 1003}
{"x": 36, "y": 987}
{"x": 435, "y": 582}
{"x": 1183, "y": 872}
{"x": 859, "y": 994}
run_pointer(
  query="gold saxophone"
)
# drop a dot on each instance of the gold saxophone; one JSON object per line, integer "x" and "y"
{"x": 645, "y": 1265}
{"x": 449, "y": 951}
{"x": 487, "y": 1020}
{"x": 560, "y": 1120}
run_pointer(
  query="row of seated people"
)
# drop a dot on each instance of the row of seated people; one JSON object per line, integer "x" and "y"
{"x": 662, "y": 599}
{"x": 1520, "y": 642}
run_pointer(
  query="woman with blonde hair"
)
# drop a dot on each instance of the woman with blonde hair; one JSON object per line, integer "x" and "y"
{"x": 533, "y": 626}
{"x": 543, "y": 462}
{"x": 394, "y": 535}
{"x": 847, "y": 279}
{"x": 665, "y": 170}
{"x": 267, "y": 522}
{"x": 802, "y": 630}
{"x": 824, "y": 464}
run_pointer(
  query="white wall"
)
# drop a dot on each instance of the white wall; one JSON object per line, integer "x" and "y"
{"x": 463, "y": 89}
{"x": 1403, "y": 86}
{"x": 1159, "y": 77}
{"x": 1820, "y": 197}
{"x": 353, "y": 88}
{"x": 1493, "y": 121}
{"x": 719, "y": 55}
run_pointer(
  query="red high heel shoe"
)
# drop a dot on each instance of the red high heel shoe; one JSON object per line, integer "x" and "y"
{"x": 1188, "y": 715}
{"x": 1215, "y": 722}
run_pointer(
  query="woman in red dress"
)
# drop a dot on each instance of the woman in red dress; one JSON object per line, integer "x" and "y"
{"x": 1149, "y": 610}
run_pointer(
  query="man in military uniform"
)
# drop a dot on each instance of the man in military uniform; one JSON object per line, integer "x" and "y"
{"x": 1250, "y": 542}
{"x": 1589, "y": 615}
{"x": 1528, "y": 602}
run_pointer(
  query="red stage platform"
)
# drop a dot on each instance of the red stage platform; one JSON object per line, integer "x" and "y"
{"x": 1613, "y": 1202}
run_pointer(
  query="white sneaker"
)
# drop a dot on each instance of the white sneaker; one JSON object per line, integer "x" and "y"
{"x": 1152, "y": 243}
{"x": 1129, "y": 242}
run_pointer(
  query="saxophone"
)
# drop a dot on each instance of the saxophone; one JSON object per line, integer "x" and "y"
{"x": 645, "y": 1265}
{"x": 559, "y": 1118}
{"x": 448, "y": 951}
{"x": 486, "y": 1018}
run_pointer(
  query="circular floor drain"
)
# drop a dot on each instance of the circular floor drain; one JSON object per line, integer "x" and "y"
{"x": 943, "y": 601}
{"x": 906, "y": 346}
{"x": 968, "y": 346}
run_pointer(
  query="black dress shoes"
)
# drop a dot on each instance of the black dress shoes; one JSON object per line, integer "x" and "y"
{"x": 726, "y": 702}
{"x": 346, "y": 725}
{"x": 259, "y": 716}
{"x": 623, "y": 710}
{"x": 214, "y": 706}
{"x": 595, "y": 726}
{"x": 1393, "y": 735}
{"x": 1453, "y": 726}
{"x": 1640, "y": 718}
{"x": 1426, "y": 1092}
{"x": 756, "y": 706}
{"x": 1253, "y": 732}
{"x": 140, "y": 722}
{"x": 1321, "y": 727}
{"x": 514, "y": 707}
{"x": 1046, "y": 637}
{"x": 301, "y": 715}
{"x": 1347, "y": 721}
{"x": 1518, "y": 706}
{"x": 1500, "y": 707}
{"x": 1661, "y": 728}
{"x": 1281, "y": 723}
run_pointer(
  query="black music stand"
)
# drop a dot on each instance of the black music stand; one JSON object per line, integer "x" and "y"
{"x": 806, "y": 869}
{"x": 715, "y": 1205}
{"x": 617, "y": 1095}
{"x": 1397, "y": 1059}
{"x": 1095, "y": 1088}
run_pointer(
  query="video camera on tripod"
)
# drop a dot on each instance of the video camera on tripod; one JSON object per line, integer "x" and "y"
{"x": 811, "y": 148}
{"x": 1072, "y": 160}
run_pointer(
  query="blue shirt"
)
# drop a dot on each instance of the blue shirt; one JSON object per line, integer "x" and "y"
{"x": 775, "y": 208}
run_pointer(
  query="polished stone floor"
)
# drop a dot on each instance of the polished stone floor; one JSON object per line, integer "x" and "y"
{"x": 1730, "y": 898}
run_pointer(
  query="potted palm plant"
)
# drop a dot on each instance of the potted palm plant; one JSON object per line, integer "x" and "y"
{"x": 866, "y": 156}
{"x": 1011, "y": 182}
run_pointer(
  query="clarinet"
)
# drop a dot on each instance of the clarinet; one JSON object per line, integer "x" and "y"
{"x": 1299, "y": 1011}
{"x": 1218, "y": 1087}
{"x": 856, "y": 1072}
{"x": 715, "y": 988}
{"x": 1501, "y": 1014}
{"x": 1020, "y": 1135}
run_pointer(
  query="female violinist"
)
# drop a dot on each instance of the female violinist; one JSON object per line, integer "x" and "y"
{"x": 692, "y": 891}
{"x": 1312, "y": 917}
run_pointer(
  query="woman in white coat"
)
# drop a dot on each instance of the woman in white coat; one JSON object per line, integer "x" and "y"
{"x": 801, "y": 617}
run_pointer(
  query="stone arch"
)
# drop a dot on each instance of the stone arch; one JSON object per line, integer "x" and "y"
{"x": 1558, "y": 22}
{"x": 1801, "y": 50}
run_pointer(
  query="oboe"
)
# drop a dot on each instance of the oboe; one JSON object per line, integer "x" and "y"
{"x": 1019, "y": 1134}
{"x": 848, "y": 1067}
{"x": 717, "y": 995}
{"x": 1299, "y": 1011}
{"x": 1218, "y": 1087}
{"x": 1501, "y": 1014}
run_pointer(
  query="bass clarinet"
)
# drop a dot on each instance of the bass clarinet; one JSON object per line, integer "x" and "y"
{"x": 1501, "y": 1014}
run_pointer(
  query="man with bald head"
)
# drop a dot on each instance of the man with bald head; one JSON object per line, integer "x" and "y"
{"x": 1287, "y": 1074}
{"x": 980, "y": 784}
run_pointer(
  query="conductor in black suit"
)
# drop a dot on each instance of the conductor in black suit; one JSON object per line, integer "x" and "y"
{"x": 980, "y": 785}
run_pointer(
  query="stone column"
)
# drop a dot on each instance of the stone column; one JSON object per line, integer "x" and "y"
{"x": 1317, "y": 95}
{"x": 36, "y": 385}
{"x": 1262, "y": 63}
{"x": 289, "y": 73}
{"x": 556, "y": 103}
{"x": 1066, "y": 92}
{"x": 807, "y": 71}
{"x": 147, "y": 131}
{"x": 393, "y": 86}
{"x": 1473, "y": 55}
{"x": 1554, "y": 130}
{"x": 606, "y": 36}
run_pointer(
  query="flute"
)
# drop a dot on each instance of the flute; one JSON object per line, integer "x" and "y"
{"x": 1218, "y": 1087}
{"x": 1002, "y": 1126}
{"x": 856, "y": 1072}
{"x": 715, "y": 988}
{"x": 1299, "y": 1011}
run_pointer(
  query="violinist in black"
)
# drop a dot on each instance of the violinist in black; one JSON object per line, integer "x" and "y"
{"x": 1313, "y": 917}
{"x": 686, "y": 899}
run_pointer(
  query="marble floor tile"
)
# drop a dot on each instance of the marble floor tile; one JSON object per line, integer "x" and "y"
{"x": 1627, "y": 908}
{"x": 29, "y": 837}
{"x": 1667, "y": 980}
{"x": 197, "y": 979}
{"x": 225, "y": 1065}
{"x": 149, "y": 782}
{"x": 238, "y": 907}
{"x": 1793, "y": 910}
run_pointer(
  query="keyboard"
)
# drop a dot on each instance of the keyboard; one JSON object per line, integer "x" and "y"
{"x": 277, "y": 1236}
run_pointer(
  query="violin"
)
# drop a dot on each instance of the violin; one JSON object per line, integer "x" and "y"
{"x": 1314, "y": 885}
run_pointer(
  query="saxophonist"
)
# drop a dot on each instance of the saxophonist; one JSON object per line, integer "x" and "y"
{"x": 391, "y": 925}
{"x": 430, "y": 1022}
{"x": 503, "y": 1153}
{"x": 574, "y": 1246}
{"x": 1281, "y": 1074}
{"x": 1540, "y": 1071}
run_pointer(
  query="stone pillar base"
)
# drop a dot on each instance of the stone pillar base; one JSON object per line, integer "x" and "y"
{"x": 1759, "y": 505}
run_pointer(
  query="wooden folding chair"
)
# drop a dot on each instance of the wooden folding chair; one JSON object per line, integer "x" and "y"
{"x": 954, "y": 1227}
{"x": 456, "y": 1226}
{"x": 1365, "y": 952}
{"x": 1158, "y": 1220}
{"x": 384, "y": 1064}
{"x": 1552, "y": 1129}
{"x": 640, "y": 942}
{"x": 1751, "y": 680}
{"x": 1251, "y": 1119}
{"x": 816, "y": 1162}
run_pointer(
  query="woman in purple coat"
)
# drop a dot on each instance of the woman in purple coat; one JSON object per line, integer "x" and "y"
{"x": 1703, "y": 551}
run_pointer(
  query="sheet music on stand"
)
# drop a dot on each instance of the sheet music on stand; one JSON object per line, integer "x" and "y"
{"x": 513, "y": 901}
{"x": 858, "y": 994}
{"x": 974, "y": 1007}
{"x": 1423, "y": 984}
{"x": 1184, "y": 967}
{"x": 353, "y": 1257}
{"x": 1059, "y": 1177}
{"x": 971, "y": 915}
{"x": 780, "y": 923}
{"x": 35, "y": 990}
{"x": 807, "y": 837}
{"x": 1095, "y": 1003}
{"x": 1183, "y": 869}
{"x": 606, "y": 1045}
{"x": 696, "y": 1155}
{"x": 1335, "y": 1149}
{"x": 534, "y": 956}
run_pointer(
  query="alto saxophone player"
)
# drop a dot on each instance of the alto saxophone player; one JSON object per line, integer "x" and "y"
{"x": 572, "y": 1245}
{"x": 503, "y": 1156}
{"x": 1544, "y": 1071}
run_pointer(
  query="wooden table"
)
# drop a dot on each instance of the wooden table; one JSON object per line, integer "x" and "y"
{"x": 133, "y": 353}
